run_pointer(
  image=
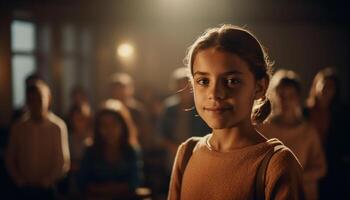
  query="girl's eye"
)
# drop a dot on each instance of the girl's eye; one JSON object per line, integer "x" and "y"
{"x": 202, "y": 81}
{"x": 232, "y": 81}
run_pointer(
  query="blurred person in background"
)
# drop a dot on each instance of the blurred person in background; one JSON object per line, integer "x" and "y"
{"x": 19, "y": 112}
{"x": 78, "y": 119}
{"x": 287, "y": 124}
{"x": 112, "y": 166}
{"x": 329, "y": 115}
{"x": 152, "y": 101}
{"x": 78, "y": 96}
{"x": 37, "y": 155}
{"x": 80, "y": 128}
{"x": 122, "y": 89}
{"x": 179, "y": 120}
{"x": 154, "y": 157}
{"x": 80, "y": 138}
{"x": 80, "y": 132}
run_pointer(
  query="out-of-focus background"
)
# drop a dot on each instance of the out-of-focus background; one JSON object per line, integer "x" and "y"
{"x": 79, "y": 44}
{"x": 76, "y": 42}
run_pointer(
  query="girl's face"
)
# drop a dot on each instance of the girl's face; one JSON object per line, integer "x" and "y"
{"x": 110, "y": 129}
{"x": 287, "y": 98}
{"x": 224, "y": 88}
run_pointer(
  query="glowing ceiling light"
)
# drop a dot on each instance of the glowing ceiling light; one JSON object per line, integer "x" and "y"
{"x": 125, "y": 50}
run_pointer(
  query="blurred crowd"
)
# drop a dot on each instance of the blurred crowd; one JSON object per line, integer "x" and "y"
{"x": 125, "y": 148}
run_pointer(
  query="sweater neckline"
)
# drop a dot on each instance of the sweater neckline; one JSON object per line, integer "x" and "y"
{"x": 210, "y": 149}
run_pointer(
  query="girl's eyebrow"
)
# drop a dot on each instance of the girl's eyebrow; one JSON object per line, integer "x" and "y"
{"x": 232, "y": 72}
{"x": 200, "y": 73}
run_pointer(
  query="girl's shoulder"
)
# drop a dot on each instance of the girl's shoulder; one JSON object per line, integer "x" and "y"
{"x": 283, "y": 162}
{"x": 191, "y": 143}
{"x": 285, "y": 158}
{"x": 189, "y": 146}
{"x": 284, "y": 155}
{"x": 284, "y": 176}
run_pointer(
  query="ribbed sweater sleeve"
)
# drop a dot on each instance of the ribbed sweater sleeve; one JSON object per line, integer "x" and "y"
{"x": 284, "y": 177}
{"x": 175, "y": 181}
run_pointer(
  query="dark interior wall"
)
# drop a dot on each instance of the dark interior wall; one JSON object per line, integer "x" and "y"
{"x": 307, "y": 48}
{"x": 5, "y": 72}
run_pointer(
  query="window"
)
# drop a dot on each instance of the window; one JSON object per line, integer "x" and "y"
{"x": 70, "y": 63}
{"x": 23, "y": 58}
{"x": 76, "y": 64}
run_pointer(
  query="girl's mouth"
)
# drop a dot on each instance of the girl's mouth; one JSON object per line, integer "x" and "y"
{"x": 218, "y": 109}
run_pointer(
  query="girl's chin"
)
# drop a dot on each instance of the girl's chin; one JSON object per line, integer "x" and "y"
{"x": 218, "y": 125}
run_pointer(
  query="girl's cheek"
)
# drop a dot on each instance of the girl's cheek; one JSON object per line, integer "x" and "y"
{"x": 198, "y": 96}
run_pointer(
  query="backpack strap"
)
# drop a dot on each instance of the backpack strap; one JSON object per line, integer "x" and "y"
{"x": 191, "y": 143}
{"x": 261, "y": 173}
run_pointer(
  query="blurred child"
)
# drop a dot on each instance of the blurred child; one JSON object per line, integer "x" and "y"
{"x": 288, "y": 125}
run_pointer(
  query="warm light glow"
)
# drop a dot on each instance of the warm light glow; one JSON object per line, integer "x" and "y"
{"x": 125, "y": 50}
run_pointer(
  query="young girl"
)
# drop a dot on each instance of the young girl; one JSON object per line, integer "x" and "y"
{"x": 288, "y": 124}
{"x": 111, "y": 168}
{"x": 230, "y": 72}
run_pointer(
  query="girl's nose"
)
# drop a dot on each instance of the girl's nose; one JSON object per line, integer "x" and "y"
{"x": 216, "y": 91}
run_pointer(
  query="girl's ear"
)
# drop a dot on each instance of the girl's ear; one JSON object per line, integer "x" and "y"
{"x": 260, "y": 88}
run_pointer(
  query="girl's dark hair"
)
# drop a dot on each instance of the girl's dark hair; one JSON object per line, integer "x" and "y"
{"x": 239, "y": 41}
{"x": 125, "y": 145}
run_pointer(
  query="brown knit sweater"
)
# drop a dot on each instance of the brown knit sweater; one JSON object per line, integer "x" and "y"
{"x": 231, "y": 175}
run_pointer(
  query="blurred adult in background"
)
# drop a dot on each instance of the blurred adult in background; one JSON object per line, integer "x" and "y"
{"x": 19, "y": 112}
{"x": 154, "y": 157}
{"x": 330, "y": 117}
{"x": 180, "y": 120}
{"x": 80, "y": 127}
{"x": 78, "y": 96}
{"x": 80, "y": 138}
{"x": 153, "y": 105}
{"x": 287, "y": 124}
{"x": 80, "y": 132}
{"x": 37, "y": 155}
{"x": 5, "y": 181}
{"x": 112, "y": 166}
{"x": 122, "y": 89}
